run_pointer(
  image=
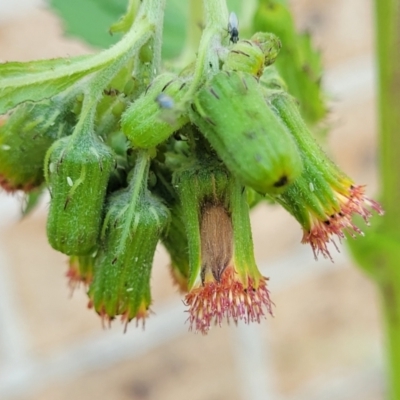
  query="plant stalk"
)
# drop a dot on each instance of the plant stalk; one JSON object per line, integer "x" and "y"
{"x": 386, "y": 245}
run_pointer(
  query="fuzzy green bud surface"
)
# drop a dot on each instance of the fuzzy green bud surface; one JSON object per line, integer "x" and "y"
{"x": 149, "y": 121}
{"x": 77, "y": 172}
{"x": 231, "y": 112}
{"x": 121, "y": 283}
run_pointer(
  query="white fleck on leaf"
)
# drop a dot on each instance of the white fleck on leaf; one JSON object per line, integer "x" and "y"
{"x": 52, "y": 167}
{"x": 311, "y": 185}
{"x": 5, "y": 147}
{"x": 69, "y": 181}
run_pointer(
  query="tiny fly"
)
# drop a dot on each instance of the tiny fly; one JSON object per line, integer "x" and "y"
{"x": 164, "y": 101}
{"x": 233, "y": 26}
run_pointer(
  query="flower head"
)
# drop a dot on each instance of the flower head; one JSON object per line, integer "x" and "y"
{"x": 352, "y": 201}
{"x": 224, "y": 282}
{"x": 9, "y": 186}
{"x": 131, "y": 230}
{"x": 323, "y": 199}
{"x": 80, "y": 270}
{"x": 228, "y": 299}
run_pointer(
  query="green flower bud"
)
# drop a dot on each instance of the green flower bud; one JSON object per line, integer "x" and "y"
{"x": 323, "y": 199}
{"x": 132, "y": 228}
{"x": 245, "y": 56}
{"x": 251, "y": 140}
{"x": 149, "y": 121}
{"x": 25, "y": 137}
{"x": 77, "y": 170}
{"x": 269, "y": 44}
{"x": 253, "y": 55}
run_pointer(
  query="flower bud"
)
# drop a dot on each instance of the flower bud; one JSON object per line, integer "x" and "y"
{"x": 269, "y": 44}
{"x": 77, "y": 171}
{"x": 25, "y": 137}
{"x": 250, "y": 139}
{"x": 132, "y": 228}
{"x": 323, "y": 199}
{"x": 146, "y": 123}
{"x": 245, "y": 56}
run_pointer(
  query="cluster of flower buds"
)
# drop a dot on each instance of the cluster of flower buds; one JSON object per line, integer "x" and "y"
{"x": 180, "y": 160}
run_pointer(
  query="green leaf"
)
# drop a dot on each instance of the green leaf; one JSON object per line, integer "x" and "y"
{"x": 104, "y": 13}
{"x": 90, "y": 20}
{"x": 377, "y": 252}
{"x": 176, "y": 15}
{"x": 24, "y": 82}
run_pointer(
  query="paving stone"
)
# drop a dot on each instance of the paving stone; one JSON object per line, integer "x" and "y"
{"x": 191, "y": 367}
{"x": 326, "y": 324}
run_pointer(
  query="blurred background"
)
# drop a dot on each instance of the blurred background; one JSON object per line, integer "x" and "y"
{"x": 325, "y": 341}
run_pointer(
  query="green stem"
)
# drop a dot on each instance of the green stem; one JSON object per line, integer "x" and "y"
{"x": 148, "y": 64}
{"x": 388, "y": 52}
{"x": 156, "y": 10}
{"x": 137, "y": 185}
{"x": 193, "y": 33}
{"x": 390, "y": 290}
{"x": 148, "y": 24}
{"x": 386, "y": 253}
{"x": 207, "y": 63}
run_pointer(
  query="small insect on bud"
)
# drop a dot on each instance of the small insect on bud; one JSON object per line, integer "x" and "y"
{"x": 250, "y": 139}
{"x": 151, "y": 119}
{"x": 77, "y": 171}
{"x": 233, "y": 28}
{"x": 165, "y": 101}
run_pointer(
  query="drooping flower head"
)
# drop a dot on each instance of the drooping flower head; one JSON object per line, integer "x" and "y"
{"x": 323, "y": 199}
{"x": 132, "y": 227}
{"x": 227, "y": 299}
{"x": 224, "y": 281}
{"x": 80, "y": 271}
{"x": 352, "y": 201}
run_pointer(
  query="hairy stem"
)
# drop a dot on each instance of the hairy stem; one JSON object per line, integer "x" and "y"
{"x": 193, "y": 33}
{"x": 207, "y": 63}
